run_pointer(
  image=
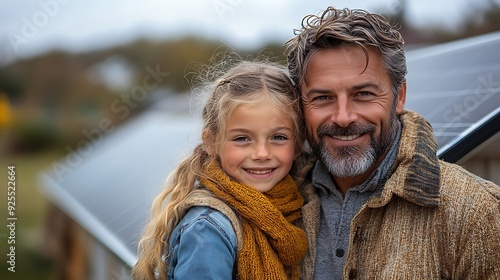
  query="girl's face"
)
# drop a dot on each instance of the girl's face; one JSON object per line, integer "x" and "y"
{"x": 259, "y": 146}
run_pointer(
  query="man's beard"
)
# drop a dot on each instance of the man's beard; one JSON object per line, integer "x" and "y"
{"x": 351, "y": 161}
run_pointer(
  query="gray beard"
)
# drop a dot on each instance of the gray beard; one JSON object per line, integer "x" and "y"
{"x": 351, "y": 161}
{"x": 346, "y": 163}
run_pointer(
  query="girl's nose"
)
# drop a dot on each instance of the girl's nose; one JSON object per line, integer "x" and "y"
{"x": 261, "y": 151}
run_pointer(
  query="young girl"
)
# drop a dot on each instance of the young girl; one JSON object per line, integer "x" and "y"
{"x": 230, "y": 205}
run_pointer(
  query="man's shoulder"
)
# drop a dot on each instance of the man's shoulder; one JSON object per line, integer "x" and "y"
{"x": 457, "y": 184}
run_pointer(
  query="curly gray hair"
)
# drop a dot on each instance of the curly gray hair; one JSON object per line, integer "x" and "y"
{"x": 337, "y": 27}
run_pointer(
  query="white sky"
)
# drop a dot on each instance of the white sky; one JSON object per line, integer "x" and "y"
{"x": 29, "y": 27}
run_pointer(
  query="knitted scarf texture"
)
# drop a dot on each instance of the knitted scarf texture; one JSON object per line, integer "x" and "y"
{"x": 272, "y": 247}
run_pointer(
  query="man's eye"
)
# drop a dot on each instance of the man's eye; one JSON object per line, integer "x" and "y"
{"x": 365, "y": 93}
{"x": 321, "y": 97}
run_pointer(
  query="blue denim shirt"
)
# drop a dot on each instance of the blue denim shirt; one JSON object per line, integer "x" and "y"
{"x": 202, "y": 246}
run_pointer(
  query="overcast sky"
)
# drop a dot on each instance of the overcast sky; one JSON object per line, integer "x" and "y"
{"x": 30, "y": 27}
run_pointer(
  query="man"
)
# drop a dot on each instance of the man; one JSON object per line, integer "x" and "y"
{"x": 379, "y": 203}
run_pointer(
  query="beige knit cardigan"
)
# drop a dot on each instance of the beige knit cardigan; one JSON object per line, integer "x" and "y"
{"x": 431, "y": 220}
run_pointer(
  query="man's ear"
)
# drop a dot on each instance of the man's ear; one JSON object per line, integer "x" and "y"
{"x": 400, "y": 103}
{"x": 205, "y": 137}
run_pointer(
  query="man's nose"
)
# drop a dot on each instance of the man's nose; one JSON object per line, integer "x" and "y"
{"x": 343, "y": 113}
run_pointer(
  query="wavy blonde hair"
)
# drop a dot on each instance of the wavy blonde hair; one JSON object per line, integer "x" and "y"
{"x": 245, "y": 82}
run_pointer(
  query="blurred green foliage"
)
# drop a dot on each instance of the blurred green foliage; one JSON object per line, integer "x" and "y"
{"x": 32, "y": 135}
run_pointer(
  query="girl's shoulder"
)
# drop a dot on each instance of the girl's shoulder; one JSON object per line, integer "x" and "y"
{"x": 202, "y": 227}
{"x": 211, "y": 217}
{"x": 203, "y": 206}
{"x": 203, "y": 240}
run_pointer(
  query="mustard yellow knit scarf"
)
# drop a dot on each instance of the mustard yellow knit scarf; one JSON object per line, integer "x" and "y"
{"x": 272, "y": 247}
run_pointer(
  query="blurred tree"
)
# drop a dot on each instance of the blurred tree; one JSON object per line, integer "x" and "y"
{"x": 484, "y": 20}
{"x": 11, "y": 84}
{"x": 480, "y": 18}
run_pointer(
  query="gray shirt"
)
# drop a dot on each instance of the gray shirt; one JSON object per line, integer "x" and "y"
{"x": 338, "y": 211}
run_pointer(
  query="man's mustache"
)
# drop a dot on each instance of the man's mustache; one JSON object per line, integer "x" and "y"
{"x": 351, "y": 129}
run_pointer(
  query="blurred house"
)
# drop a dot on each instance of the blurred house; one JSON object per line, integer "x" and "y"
{"x": 102, "y": 192}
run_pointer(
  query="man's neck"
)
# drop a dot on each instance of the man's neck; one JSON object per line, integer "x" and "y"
{"x": 346, "y": 183}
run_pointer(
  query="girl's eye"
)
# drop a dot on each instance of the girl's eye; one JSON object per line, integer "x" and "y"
{"x": 241, "y": 138}
{"x": 280, "y": 137}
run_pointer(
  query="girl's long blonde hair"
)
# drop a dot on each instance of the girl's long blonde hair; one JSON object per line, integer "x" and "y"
{"x": 244, "y": 83}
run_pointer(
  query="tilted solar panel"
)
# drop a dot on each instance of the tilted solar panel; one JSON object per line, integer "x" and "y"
{"x": 109, "y": 192}
{"x": 456, "y": 86}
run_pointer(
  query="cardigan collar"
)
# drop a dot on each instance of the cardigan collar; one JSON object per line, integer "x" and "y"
{"x": 415, "y": 173}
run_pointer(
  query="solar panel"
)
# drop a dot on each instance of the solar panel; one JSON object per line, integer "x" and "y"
{"x": 109, "y": 193}
{"x": 110, "y": 189}
{"x": 456, "y": 87}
